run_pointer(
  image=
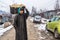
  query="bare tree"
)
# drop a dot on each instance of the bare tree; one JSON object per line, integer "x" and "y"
{"x": 33, "y": 12}
{"x": 57, "y": 5}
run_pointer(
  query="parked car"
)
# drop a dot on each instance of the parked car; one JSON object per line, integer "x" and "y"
{"x": 54, "y": 26}
{"x": 43, "y": 20}
{"x": 37, "y": 19}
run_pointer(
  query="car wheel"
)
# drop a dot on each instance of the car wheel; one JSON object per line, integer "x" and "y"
{"x": 56, "y": 34}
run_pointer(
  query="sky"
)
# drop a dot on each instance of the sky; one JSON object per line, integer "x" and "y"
{"x": 39, "y": 4}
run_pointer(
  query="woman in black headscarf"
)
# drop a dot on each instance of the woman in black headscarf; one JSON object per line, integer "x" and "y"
{"x": 20, "y": 24}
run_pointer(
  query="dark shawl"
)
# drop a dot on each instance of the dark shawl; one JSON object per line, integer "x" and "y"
{"x": 20, "y": 26}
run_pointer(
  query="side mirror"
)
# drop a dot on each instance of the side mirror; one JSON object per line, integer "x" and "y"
{"x": 49, "y": 20}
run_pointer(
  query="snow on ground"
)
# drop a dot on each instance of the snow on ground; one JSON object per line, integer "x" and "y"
{"x": 43, "y": 34}
{"x": 3, "y": 30}
{"x": 31, "y": 19}
{"x": 40, "y": 26}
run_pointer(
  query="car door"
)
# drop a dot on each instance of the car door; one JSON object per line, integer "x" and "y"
{"x": 54, "y": 23}
{"x": 51, "y": 24}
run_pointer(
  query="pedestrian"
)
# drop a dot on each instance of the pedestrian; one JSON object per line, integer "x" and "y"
{"x": 20, "y": 24}
{"x": 1, "y": 20}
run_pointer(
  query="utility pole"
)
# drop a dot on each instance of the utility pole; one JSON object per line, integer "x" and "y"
{"x": 57, "y": 5}
{"x": 33, "y": 12}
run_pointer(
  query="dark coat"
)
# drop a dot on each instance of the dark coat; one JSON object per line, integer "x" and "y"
{"x": 20, "y": 26}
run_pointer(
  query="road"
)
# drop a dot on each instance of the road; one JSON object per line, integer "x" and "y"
{"x": 33, "y": 33}
{"x": 43, "y": 34}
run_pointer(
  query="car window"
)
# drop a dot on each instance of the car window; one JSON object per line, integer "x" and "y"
{"x": 57, "y": 19}
{"x": 53, "y": 19}
{"x": 5, "y": 19}
{"x": 38, "y": 17}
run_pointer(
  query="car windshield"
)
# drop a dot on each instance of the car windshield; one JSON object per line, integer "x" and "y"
{"x": 38, "y": 17}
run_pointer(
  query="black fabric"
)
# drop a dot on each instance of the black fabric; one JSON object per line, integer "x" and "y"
{"x": 20, "y": 26}
{"x": 21, "y": 9}
{"x": 13, "y": 10}
{"x": 1, "y": 23}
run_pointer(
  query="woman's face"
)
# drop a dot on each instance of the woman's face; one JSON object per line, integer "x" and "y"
{"x": 21, "y": 12}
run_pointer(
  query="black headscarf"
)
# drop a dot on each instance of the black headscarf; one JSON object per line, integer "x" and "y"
{"x": 22, "y": 8}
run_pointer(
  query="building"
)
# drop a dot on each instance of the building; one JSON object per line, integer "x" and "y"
{"x": 50, "y": 13}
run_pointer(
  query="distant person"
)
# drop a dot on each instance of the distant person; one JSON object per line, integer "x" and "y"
{"x": 20, "y": 24}
{"x": 1, "y": 20}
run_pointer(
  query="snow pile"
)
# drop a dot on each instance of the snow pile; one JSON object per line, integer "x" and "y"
{"x": 3, "y": 30}
{"x": 31, "y": 19}
{"x": 40, "y": 26}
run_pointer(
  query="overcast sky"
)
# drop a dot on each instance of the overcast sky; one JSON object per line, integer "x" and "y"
{"x": 39, "y": 4}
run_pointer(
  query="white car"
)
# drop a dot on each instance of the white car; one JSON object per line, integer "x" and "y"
{"x": 43, "y": 20}
{"x": 37, "y": 19}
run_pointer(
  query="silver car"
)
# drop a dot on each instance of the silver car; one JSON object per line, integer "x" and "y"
{"x": 37, "y": 19}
